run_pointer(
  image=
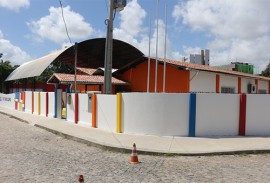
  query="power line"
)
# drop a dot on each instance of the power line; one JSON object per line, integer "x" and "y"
{"x": 64, "y": 21}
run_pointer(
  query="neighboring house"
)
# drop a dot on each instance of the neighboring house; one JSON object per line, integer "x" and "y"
{"x": 182, "y": 77}
{"x": 87, "y": 80}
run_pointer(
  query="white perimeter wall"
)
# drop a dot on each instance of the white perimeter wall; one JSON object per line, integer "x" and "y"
{"x": 43, "y": 103}
{"x": 217, "y": 114}
{"x": 28, "y": 102}
{"x": 51, "y": 104}
{"x": 258, "y": 115}
{"x": 70, "y": 108}
{"x": 84, "y": 115}
{"x": 106, "y": 112}
{"x": 263, "y": 85}
{"x": 155, "y": 114}
{"x": 7, "y": 100}
{"x": 202, "y": 82}
{"x": 244, "y": 84}
{"x": 229, "y": 81}
{"x": 36, "y": 103}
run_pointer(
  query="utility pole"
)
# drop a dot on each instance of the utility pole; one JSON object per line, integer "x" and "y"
{"x": 115, "y": 5}
{"x": 108, "y": 52}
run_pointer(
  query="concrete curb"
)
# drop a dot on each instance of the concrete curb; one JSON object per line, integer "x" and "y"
{"x": 144, "y": 152}
{"x": 140, "y": 151}
{"x": 14, "y": 117}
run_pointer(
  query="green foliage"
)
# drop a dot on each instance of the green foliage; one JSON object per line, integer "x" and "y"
{"x": 266, "y": 72}
{"x": 5, "y": 69}
{"x": 56, "y": 67}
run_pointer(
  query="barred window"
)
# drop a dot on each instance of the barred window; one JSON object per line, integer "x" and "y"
{"x": 262, "y": 91}
{"x": 227, "y": 90}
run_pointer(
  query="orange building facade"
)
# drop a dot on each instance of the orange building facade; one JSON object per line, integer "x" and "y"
{"x": 184, "y": 77}
{"x": 177, "y": 81}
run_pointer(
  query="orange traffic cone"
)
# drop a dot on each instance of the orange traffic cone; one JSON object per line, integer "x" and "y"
{"x": 134, "y": 155}
{"x": 81, "y": 179}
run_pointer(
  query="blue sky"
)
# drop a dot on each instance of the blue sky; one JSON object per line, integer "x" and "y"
{"x": 232, "y": 30}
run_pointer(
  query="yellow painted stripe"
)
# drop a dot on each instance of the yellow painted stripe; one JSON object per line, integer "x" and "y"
{"x": 38, "y": 103}
{"x": 119, "y": 113}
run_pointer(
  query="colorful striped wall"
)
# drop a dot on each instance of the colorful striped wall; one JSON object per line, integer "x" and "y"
{"x": 192, "y": 115}
{"x": 35, "y": 102}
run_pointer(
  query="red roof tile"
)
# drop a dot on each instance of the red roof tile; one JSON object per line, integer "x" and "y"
{"x": 209, "y": 69}
{"x": 82, "y": 79}
{"x": 88, "y": 71}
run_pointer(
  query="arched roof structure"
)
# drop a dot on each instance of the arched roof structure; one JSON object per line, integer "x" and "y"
{"x": 91, "y": 54}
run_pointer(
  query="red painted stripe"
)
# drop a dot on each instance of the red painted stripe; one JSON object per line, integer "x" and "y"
{"x": 257, "y": 84}
{"x": 24, "y": 97}
{"x": 15, "y": 102}
{"x": 268, "y": 87}
{"x": 217, "y": 83}
{"x": 242, "y": 117}
{"x": 76, "y": 108}
{"x": 47, "y": 104}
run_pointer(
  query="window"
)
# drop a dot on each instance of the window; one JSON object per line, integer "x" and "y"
{"x": 262, "y": 91}
{"x": 227, "y": 90}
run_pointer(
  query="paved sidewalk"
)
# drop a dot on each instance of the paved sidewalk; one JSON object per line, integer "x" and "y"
{"x": 145, "y": 143}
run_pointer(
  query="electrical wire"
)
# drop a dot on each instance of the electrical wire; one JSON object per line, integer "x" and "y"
{"x": 64, "y": 21}
{"x": 114, "y": 14}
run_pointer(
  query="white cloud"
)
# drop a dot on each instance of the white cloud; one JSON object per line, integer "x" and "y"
{"x": 52, "y": 26}
{"x": 131, "y": 30}
{"x": 11, "y": 52}
{"x": 1, "y": 34}
{"x": 191, "y": 50}
{"x": 240, "y": 29}
{"x": 132, "y": 18}
{"x": 14, "y": 5}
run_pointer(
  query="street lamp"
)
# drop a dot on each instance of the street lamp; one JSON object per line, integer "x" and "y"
{"x": 115, "y": 5}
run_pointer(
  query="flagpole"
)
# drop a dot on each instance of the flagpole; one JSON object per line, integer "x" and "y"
{"x": 149, "y": 53}
{"x": 75, "y": 66}
{"x": 165, "y": 51}
{"x": 156, "y": 68}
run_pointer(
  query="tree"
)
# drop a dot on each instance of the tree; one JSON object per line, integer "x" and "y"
{"x": 55, "y": 67}
{"x": 5, "y": 69}
{"x": 266, "y": 72}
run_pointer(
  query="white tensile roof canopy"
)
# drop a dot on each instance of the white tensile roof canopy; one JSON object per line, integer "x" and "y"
{"x": 34, "y": 67}
{"x": 90, "y": 55}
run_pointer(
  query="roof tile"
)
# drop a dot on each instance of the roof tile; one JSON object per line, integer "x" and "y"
{"x": 88, "y": 71}
{"x": 69, "y": 78}
{"x": 210, "y": 69}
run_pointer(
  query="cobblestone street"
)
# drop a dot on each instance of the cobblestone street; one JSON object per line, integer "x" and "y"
{"x": 30, "y": 154}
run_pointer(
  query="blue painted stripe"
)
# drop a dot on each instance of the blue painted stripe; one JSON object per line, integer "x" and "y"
{"x": 17, "y": 95}
{"x": 192, "y": 115}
